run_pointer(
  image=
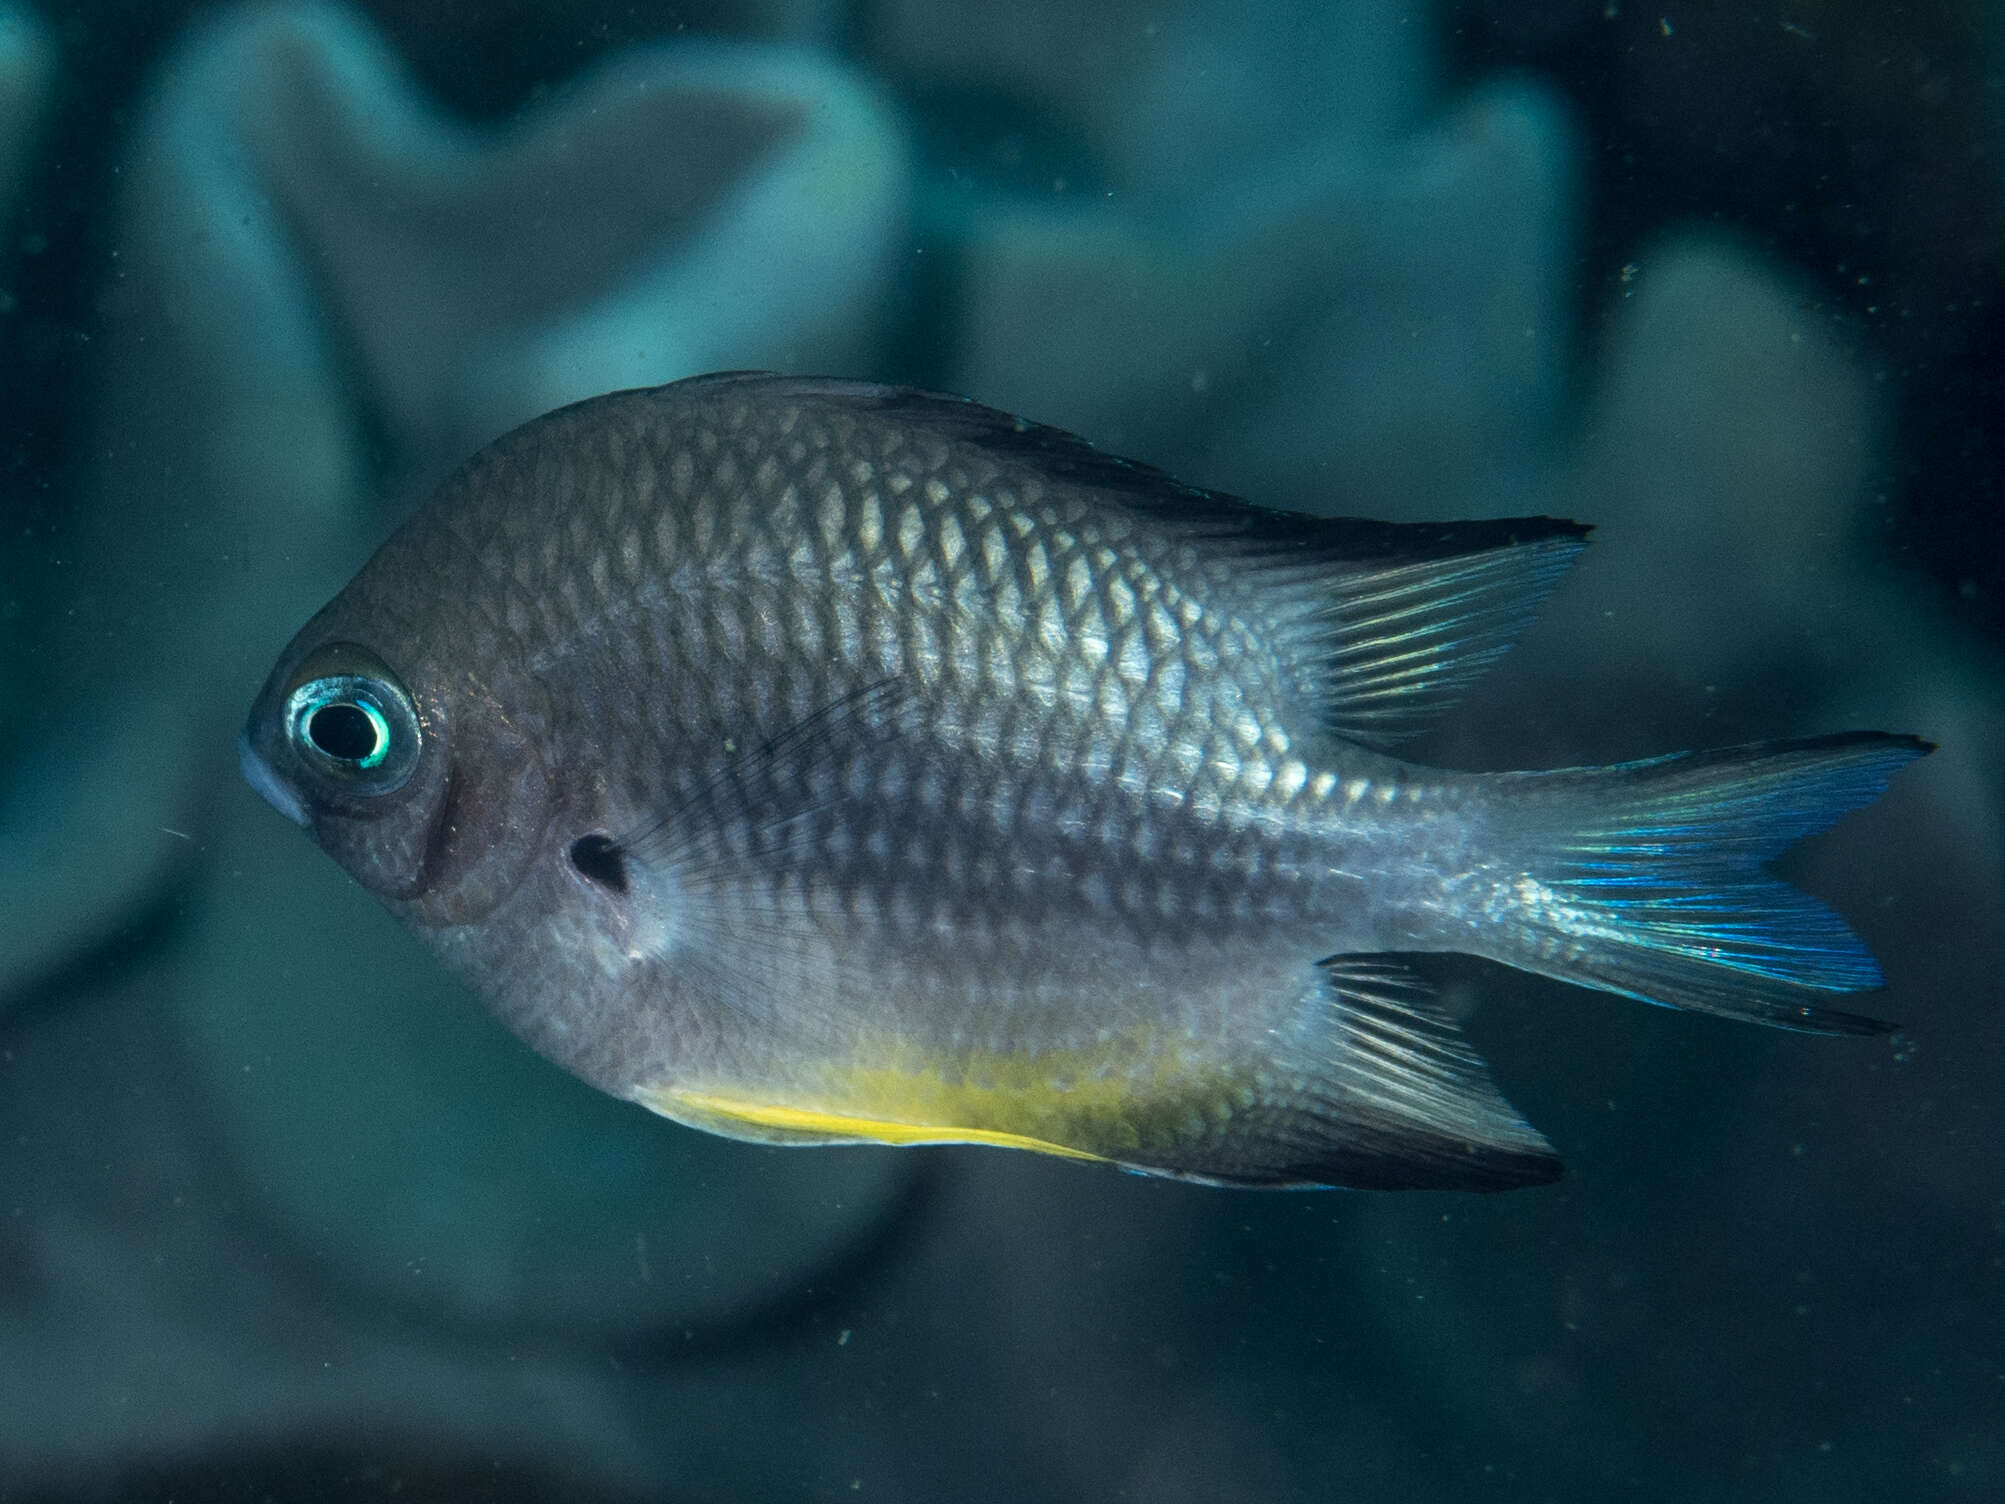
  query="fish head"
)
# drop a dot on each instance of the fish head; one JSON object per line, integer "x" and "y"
{"x": 393, "y": 741}
{"x": 409, "y": 731}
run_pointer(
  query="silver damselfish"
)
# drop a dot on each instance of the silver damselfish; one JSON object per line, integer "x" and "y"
{"x": 820, "y": 762}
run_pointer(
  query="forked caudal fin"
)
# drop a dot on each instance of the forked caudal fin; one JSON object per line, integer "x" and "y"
{"x": 1647, "y": 879}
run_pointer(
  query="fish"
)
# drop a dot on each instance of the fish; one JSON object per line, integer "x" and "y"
{"x": 814, "y": 761}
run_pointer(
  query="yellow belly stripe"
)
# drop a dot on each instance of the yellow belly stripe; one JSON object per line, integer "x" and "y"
{"x": 743, "y": 1119}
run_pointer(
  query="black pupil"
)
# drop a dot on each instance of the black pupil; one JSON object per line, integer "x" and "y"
{"x": 342, "y": 731}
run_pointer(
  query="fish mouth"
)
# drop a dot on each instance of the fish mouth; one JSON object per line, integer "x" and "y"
{"x": 259, "y": 775}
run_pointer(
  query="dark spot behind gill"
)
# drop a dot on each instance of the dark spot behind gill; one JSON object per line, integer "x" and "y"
{"x": 599, "y": 858}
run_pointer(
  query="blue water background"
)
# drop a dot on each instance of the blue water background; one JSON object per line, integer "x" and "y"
{"x": 283, "y": 1214}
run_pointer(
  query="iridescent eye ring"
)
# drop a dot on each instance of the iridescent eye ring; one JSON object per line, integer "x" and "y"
{"x": 357, "y": 729}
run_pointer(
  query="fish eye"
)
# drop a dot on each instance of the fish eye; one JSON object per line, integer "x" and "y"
{"x": 352, "y": 730}
{"x": 355, "y": 726}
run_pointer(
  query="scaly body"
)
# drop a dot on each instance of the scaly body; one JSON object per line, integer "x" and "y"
{"x": 818, "y": 762}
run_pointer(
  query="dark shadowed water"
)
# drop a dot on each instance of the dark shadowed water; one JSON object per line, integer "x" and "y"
{"x": 284, "y": 1215}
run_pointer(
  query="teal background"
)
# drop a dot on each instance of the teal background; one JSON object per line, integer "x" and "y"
{"x": 283, "y": 1214}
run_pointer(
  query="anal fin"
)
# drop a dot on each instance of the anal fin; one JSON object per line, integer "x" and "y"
{"x": 1376, "y": 1088}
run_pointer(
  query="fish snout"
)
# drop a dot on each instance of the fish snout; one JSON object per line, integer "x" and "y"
{"x": 259, "y": 775}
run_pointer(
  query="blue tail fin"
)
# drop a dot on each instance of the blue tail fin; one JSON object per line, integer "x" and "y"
{"x": 1647, "y": 879}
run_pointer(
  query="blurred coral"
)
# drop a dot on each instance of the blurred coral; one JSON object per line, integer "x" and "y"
{"x": 271, "y": 1178}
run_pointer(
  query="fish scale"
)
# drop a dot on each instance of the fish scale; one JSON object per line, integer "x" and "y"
{"x": 813, "y": 761}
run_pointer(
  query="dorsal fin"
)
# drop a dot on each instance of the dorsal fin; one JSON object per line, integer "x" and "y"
{"x": 1380, "y": 625}
{"x": 1386, "y": 644}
